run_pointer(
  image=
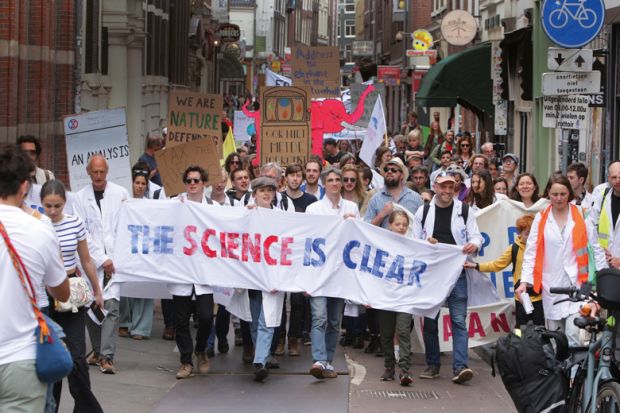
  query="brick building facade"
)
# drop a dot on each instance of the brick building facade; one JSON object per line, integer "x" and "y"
{"x": 37, "y": 74}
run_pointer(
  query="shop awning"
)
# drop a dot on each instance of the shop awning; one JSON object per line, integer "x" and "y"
{"x": 463, "y": 78}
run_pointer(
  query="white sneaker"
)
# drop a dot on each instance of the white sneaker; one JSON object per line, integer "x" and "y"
{"x": 330, "y": 372}
{"x": 317, "y": 370}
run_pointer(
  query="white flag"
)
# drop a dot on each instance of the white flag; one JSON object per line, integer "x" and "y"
{"x": 274, "y": 79}
{"x": 376, "y": 131}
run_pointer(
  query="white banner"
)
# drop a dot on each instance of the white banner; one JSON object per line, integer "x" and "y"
{"x": 102, "y": 132}
{"x": 273, "y": 250}
{"x": 376, "y": 130}
{"x": 274, "y": 79}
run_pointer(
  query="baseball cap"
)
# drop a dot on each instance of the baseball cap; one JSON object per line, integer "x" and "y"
{"x": 444, "y": 176}
{"x": 511, "y": 156}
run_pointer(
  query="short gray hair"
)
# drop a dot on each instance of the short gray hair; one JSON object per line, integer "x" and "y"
{"x": 272, "y": 165}
{"x": 330, "y": 170}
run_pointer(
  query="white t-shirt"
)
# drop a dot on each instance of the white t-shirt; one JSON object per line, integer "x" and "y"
{"x": 37, "y": 246}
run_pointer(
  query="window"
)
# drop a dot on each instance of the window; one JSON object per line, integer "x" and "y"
{"x": 91, "y": 34}
{"x": 347, "y": 6}
{"x": 349, "y": 28}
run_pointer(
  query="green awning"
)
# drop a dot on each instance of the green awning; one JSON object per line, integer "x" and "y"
{"x": 463, "y": 78}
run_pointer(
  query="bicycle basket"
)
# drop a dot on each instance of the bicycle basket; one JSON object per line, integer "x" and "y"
{"x": 608, "y": 288}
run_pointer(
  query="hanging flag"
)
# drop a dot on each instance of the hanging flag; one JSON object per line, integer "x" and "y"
{"x": 229, "y": 145}
{"x": 274, "y": 79}
{"x": 376, "y": 131}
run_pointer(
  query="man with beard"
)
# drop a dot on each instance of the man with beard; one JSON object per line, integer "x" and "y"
{"x": 312, "y": 186}
{"x": 379, "y": 209}
{"x": 382, "y": 203}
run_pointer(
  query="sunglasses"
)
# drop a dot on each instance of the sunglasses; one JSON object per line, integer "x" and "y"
{"x": 352, "y": 180}
{"x": 237, "y": 162}
{"x": 193, "y": 181}
{"x": 464, "y": 145}
{"x": 140, "y": 172}
{"x": 393, "y": 170}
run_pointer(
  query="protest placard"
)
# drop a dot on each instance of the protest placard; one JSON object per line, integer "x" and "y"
{"x": 369, "y": 103}
{"x": 243, "y": 125}
{"x": 102, "y": 132}
{"x": 193, "y": 116}
{"x": 285, "y": 125}
{"x": 318, "y": 68}
{"x": 172, "y": 162}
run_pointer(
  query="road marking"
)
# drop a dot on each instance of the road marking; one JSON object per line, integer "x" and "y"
{"x": 356, "y": 371}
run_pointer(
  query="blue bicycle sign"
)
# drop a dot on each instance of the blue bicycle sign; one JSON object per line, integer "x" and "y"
{"x": 573, "y": 23}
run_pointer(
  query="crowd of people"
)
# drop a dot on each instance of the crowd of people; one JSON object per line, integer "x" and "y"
{"x": 428, "y": 188}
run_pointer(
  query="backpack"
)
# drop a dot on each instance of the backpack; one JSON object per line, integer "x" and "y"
{"x": 464, "y": 212}
{"x": 531, "y": 369}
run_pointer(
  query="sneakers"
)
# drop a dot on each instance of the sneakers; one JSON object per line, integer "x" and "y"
{"x": 123, "y": 332}
{"x": 260, "y": 372}
{"x": 293, "y": 347}
{"x": 462, "y": 375}
{"x": 280, "y": 348}
{"x": 405, "y": 378}
{"x": 203, "y": 362}
{"x": 317, "y": 370}
{"x": 94, "y": 359}
{"x": 388, "y": 374}
{"x": 185, "y": 371}
{"x": 107, "y": 367}
{"x": 431, "y": 372}
{"x": 330, "y": 372}
{"x": 168, "y": 334}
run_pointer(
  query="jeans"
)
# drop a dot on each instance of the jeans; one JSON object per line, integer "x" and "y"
{"x": 326, "y": 316}
{"x": 183, "y": 336}
{"x": 103, "y": 337}
{"x": 457, "y": 304}
{"x": 79, "y": 380}
{"x": 136, "y": 314}
{"x": 261, "y": 334}
{"x": 390, "y": 323}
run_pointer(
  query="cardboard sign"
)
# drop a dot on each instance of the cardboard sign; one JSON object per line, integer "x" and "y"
{"x": 369, "y": 103}
{"x": 102, "y": 132}
{"x": 285, "y": 125}
{"x": 243, "y": 127}
{"x": 193, "y": 116}
{"x": 172, "y": 162}
{"x": 318, "y": 68}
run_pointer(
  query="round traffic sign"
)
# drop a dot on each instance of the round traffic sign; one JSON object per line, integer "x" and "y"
{"x": 573, "y": 23}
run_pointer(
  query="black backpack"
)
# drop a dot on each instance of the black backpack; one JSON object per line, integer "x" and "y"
{"x": 531, "y": 368}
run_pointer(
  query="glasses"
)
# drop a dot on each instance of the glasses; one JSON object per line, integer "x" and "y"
{"x": 189, "y": 181}
{"x": 352, "y": 180}
{"x": 140, "y": 172}
{"x": 392, "y": 170}
{"x": 237, "y": 162}
{"x": 464, "y": 145}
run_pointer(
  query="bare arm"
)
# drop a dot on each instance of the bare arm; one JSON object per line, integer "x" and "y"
{"x": 61, "y": 292}
{"x": 91, "y": 271}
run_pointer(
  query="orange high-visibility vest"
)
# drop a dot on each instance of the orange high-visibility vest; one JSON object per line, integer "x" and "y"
{"x": 580, "y": 246}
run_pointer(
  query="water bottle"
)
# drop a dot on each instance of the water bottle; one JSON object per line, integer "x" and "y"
{"x": 527, "y": 303}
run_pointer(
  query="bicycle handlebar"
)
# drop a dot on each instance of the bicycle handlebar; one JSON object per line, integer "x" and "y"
{"x": 575, "y": 294}
{"x": 570, "y": 291}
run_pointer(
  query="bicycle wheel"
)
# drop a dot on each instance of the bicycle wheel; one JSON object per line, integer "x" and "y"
{"x": 558, "y": 18}
{"x": 587, "y": 18}
{"x": 608, "y": 398}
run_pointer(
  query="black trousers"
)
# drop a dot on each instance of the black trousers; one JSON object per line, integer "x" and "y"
{"x": 222, "y": 323}
{"x": 74, "y": 325}
{"x": 372, "y": 317}
{"x": 297, "y": 316}
{"x": 182, "y": 313}
{"x": 537, "y": 316}
{"x": 167, "y": 309}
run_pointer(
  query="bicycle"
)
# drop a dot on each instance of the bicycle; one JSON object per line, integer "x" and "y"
{"x": 591, "y": 383}
{"x": 586, "y": 18}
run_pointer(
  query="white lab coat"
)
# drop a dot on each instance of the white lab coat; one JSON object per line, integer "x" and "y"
{"x": 101, "y": 225}
{"x": 462, "y": 233}
{"x": 559, "y": 265}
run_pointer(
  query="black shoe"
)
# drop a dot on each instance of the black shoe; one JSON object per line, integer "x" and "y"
{"x": 388, "y": 374}
{"x": 358, "y": 342}
{"x": 373, "y": 345}
{"x": 248, "y": 353}
{"x": 210, "y": 352}
{"x": 260, "y": 372}
{"x": 222, "y": 346}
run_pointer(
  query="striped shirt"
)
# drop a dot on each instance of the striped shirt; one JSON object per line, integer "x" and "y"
{"x": 69, "y": 231}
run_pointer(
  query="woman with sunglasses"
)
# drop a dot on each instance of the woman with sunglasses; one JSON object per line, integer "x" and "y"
{"x": 232, "y": 163}
{"x": 71, "y": 234}
{"x": 136, "y": 314}
{"x": 352, "y": 187}
{"x": 464, "y": 151}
